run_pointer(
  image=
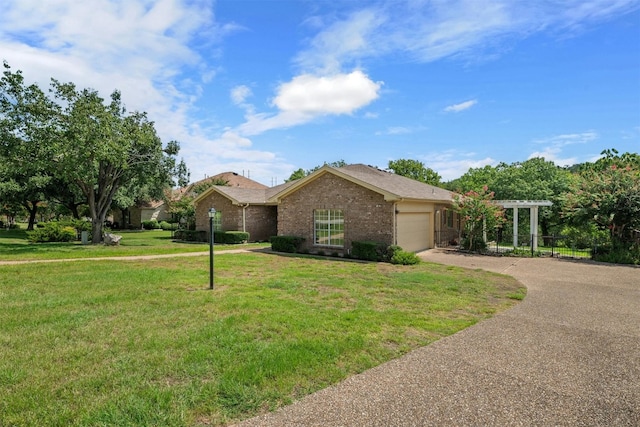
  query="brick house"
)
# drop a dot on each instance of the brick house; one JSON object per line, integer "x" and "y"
{"x": 333, "y": 207}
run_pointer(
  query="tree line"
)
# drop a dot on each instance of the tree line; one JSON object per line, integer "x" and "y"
{"x": 71, "y": 147}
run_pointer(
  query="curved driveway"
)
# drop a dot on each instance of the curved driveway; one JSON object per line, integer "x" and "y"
{"x": 569, "y": 354}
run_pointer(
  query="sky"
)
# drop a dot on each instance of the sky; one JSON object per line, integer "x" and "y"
{"x": 264, "y": 87}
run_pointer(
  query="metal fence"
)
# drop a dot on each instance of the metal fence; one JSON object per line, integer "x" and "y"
{"x": 554, "y": 245}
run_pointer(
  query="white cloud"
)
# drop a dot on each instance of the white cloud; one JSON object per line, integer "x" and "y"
{"x": 307, "y": 97}
{"x": 570, "y": 138}
{"x": 553, "y": 154}
{"x": 456, "y": 108}
{"x": 395, "y": 130}
{"x": 426, "y": 31}
{"x": 452, "y": 164}
{"x": 341, "y": 40}
{"x": 335, "y": 94}
{"x": 239, "y": 94}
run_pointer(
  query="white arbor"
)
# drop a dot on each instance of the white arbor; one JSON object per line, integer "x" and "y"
{"x": 533, "y": 206}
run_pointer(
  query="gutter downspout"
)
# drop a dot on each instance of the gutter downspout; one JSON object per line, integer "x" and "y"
{"x": 395, "y": 223}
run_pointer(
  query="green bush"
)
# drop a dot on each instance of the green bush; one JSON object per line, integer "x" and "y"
{"x": 582, "y": 237}
{"x": 478, "y": 245}
{"x": 230, "y": 237}
{"x": 81, "y": 225}
{"x": 405, "y": 258}
{"x": 52, "y": 232}
{"x": 374, "y": 251}
{"x": 369, "y": 251}
{"x": 618, "y": 254}
{"x": 190, "y": 235}
{"x": 290, "y": 244}
{"x": 390, "y": 252}
{"x": 151, "y": 224}
{"x": 168, "y": 226}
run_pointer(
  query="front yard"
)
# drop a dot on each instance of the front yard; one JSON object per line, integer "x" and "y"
{"x": 145, "y": 343}
{"x": 15, "y": 247}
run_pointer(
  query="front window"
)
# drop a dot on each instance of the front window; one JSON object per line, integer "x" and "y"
{"x": 217, "y": 221}
{"x": 329, "y": 227}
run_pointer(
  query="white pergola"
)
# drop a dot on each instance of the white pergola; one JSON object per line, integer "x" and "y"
{"x": 533, "y": 206}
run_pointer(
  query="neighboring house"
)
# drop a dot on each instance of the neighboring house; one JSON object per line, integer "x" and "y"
{"x": 240, "y": 209}
{"x": 333, "y": 207}
{"x": 157, "y": 209}
{"x": 134, "y": 216}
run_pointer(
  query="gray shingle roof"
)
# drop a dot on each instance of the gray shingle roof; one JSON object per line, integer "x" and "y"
{"x": 400, "y": 186}
{"x": 394, "y": 186}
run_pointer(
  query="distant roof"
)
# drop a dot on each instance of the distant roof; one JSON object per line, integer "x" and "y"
{"x": 239, "y": 195}
{"x": 233, "y": 180}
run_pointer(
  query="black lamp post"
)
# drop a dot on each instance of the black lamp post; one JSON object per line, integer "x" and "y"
{"x": 212, "y": 214}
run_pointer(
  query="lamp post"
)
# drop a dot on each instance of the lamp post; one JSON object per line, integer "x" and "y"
{"x": 212, "y": 214}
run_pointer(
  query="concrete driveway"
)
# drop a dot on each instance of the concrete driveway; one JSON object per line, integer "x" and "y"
{"x": 568, "y": 355}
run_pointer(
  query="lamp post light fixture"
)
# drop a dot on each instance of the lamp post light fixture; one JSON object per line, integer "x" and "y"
{"x": 212, "y": 214}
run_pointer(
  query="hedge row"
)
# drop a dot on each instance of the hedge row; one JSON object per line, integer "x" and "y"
{"x": 368, "y": 251}
{"x": 230, "y": 237}
{"x": 221, "y": 237}
{"x": 290, "y": 244}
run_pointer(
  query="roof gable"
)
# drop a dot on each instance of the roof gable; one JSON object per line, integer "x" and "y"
{"x": 393, "y": 187}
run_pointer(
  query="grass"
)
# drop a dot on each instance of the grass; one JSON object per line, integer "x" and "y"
{"x": 15, "y": 247}
{"x": 143, "y": 343}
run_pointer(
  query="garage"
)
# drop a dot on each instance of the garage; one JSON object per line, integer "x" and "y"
{"x": 413, "y": 231}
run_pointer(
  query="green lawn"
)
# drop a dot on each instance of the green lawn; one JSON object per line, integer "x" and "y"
{"x": 14, "y": 246}
{"x": 145, "y": 343}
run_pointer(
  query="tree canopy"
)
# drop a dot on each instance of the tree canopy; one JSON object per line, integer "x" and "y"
{"x": 301, "y": 173}
{"x": 415, "y": 169}
{"x": 607, "y": 192}
{"x": 74, "y": 139}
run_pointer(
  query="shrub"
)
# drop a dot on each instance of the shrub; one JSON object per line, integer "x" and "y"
{"x": 230, "y": 237}
{"x": 168, "y": 226}
{"x": 151, "y": 224}
{"x": 52, "y": 232}
{"x": 290, "y": 244}
{"x": 81, "y": 225}
{"x": 391, "y": 251}
{"x": 478, "y": 245}
{"x": 617, "y": 254}
{"x": 404, "y": 258}
{"x": 369, "y": 251}
{"x": 190, "y": 235}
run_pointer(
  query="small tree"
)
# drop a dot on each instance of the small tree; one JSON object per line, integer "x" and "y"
{"x": 479, "y": 213}
{"x": 607, "y": 193}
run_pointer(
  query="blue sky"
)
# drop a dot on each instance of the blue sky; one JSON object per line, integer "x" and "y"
{"x": 269, "y": 86}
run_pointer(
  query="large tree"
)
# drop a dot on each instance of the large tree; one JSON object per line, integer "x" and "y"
{"x": 415, "y": 169}
{"x": 27, "y": 134}
{"x": 102, "y": 149}
{"x": 73, "y": 138}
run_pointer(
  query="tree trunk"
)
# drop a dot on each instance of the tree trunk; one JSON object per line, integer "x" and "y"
{"x": 32, "y": 208}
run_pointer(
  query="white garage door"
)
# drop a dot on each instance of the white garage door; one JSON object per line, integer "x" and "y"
{"x": 413, "y": 231}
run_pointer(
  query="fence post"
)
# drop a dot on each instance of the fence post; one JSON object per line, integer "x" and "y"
{"x": 531, "y": 242}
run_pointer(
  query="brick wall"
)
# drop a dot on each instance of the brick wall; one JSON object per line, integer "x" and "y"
{"x": 261, "y": 221}
{"x": 366, "y": 214}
